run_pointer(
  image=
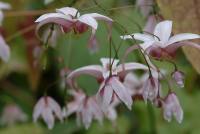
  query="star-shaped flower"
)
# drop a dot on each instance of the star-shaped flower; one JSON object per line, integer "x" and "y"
{"x": 69, "y": 19}
{"x": 160, "y": 44}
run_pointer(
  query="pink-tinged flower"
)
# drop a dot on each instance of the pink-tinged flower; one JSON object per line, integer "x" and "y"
{"x": 172, "y": 107}
{"x": 109, "y": 76}
{"x": 12, "y": 114}
{"x": 179, "y": 77}
{"x": 145, "y": 6}
{"x": 111, "y": 112}
{"x": 47, "y": 108}
{"x": 70, "y": 19}
{"x": 4, "y": 50}
{"x": 86, "y": 108}
{"x": 3, "y": 6}
{"x": 160, "y": 44}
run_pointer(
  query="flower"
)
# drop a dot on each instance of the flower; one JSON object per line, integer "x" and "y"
{"x": 3, "y": 6}
{"x": 86, "y": 108}
{"x": 4, "y": 50}
{"x": 179, "y": 77}
{"x": 12, "y": 114}
{"x": 160, "y": 44}
{"x": 69, "y": 19}
{"x": 47, "y": 107}
{"x": 172, "y": 107}
{"x": 150, "y": 24}
{"x": 109, "y": 76}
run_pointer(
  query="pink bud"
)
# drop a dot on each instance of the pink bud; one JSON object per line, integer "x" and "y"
{"x": 178, "y": 76}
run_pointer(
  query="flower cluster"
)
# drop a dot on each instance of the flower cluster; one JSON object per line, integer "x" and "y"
{"x": 117, "y": 83}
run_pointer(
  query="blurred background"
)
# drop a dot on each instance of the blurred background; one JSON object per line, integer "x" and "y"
{"x": 24, "y": 79}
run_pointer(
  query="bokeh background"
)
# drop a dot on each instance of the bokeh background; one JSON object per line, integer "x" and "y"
{"x": 22, "y": 83}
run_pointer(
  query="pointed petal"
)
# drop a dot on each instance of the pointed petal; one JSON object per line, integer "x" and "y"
{"x": 121, "y": 92}
{"x": 138, "y": 36}
{"x": 68, "y": 11}
{"x": 53, "y": 16}
{"x": 107, "y": 97}
{"x": 163, "y": 30}
{"x": 93, "y": 45}
{"x": 100, "y": 17}
{"x": 93, "y": 70}
{"x": 47, "y": 115}
{"x": 38, "y": 109}
{"x": 55, "y": 108}
{"x": 182, "y": 37}
{"x": 131, "y": 66}
{"x": 86, "y": 117}
{"x": 72, "y": 107}
{"x": 4, "y": 50}
{"x": 88, "y": 20}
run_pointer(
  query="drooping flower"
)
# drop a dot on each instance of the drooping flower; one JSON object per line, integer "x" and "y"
{"x": 110, "y": 77}
{"x": 12, "y": 114}
{"x": 171, "y": 107}
{"x": 3, "y": 6}
{"x": 70, "y": 19}
{"x": 160, "y": 44}
{"x": 179, "y": 77}
{"x": 47, "y": 108}
{"x": 86, "y": 108}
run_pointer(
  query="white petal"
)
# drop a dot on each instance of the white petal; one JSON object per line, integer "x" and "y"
{"x": 182, "y": 37}
{"x": 68, "y": 11}
{"x": 106, "y": 61}
{"x": 111, "y": 114}
{"x": 138, "y": 36}
{"x": 39, "y": 107}
{"x": 72, "y": 107}
{"x": 94, "y": 70}
{"x": 131, "y": 66}
{"x": 55, "y": 108}
{"x": 121, "y": 92}
{"x": 107, "y": 97}
{"x": 4, "y": 50}
{"x": 100, "y": 17}
{"x": 163, "y": 30}
{"x": 86, "y": 117}
{"x": 88, "y": 20}
{"x": 47, "y": 115}
{"x": 53, "y": 15}
{"x": 4, "y": 5}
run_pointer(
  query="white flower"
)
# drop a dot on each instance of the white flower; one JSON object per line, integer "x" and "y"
{"x": 86, "y": 108}
{"x": 160, "y": 44}
{"x": 69, "y": 19}
{"x": 47, "y": 108}
{"x": 109, "y": 75}
{"x": 172, "y": 107}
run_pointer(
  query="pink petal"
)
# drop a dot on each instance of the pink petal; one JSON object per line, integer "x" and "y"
{"x": 182, "y": 37}
{"x": 121, "y": 92}
{"x": 68, "y": 11}
{"x": 107, "y": 97}
{"x": 86, "y": 117}
{"x": 88, "y": 20}
{"x": 163, "y": 30}
{"x": 72, "y": 107}
{"x": 93, "y": 45}
{"x": 145, "y": 6}
{"x": 4, "y": 50}
{"x": 150, "y": 24}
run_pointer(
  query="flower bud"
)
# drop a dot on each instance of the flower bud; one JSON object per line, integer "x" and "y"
{"x": 178, "y": 76}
